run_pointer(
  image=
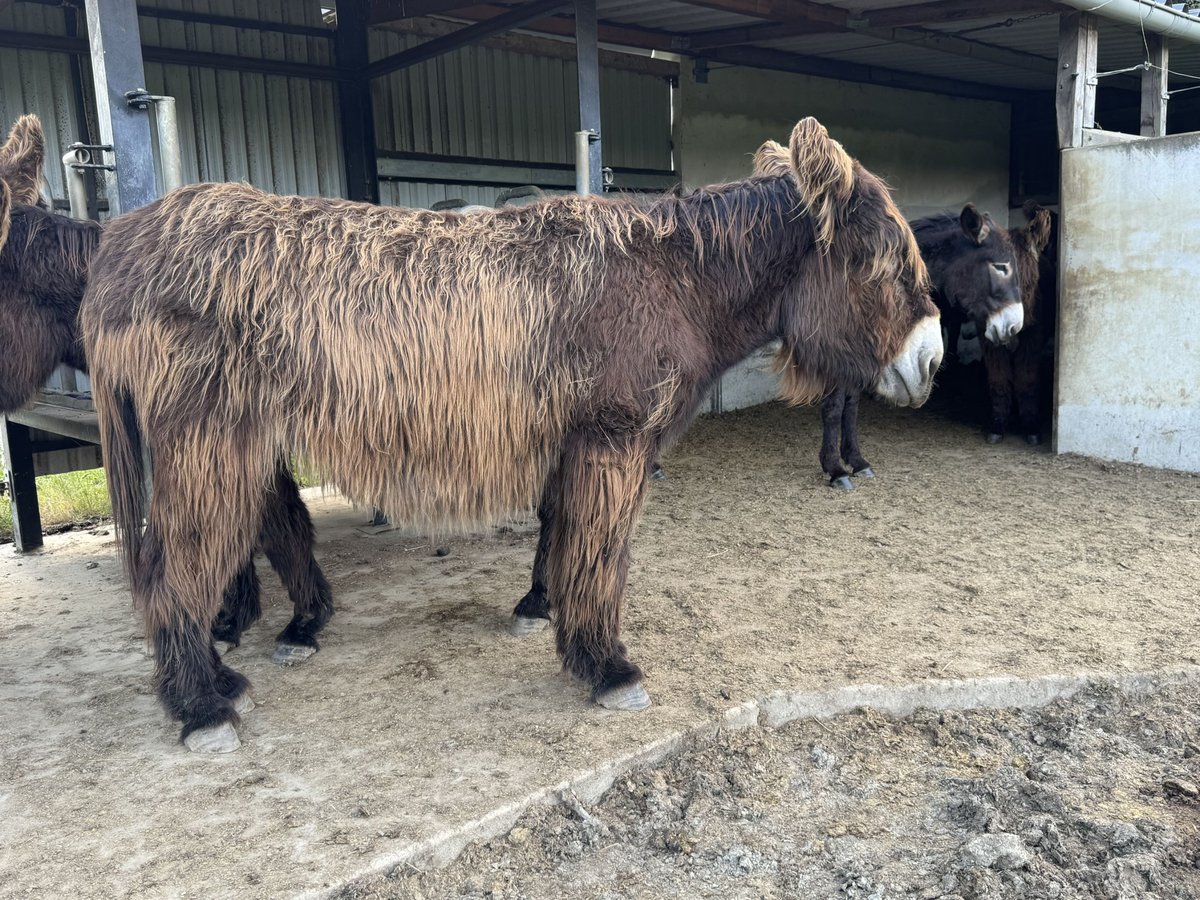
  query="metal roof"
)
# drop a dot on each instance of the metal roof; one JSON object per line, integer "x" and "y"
{"x": 1010, "y": 46}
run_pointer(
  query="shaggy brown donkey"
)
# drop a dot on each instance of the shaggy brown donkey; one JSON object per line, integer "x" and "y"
{"x": 44, "y": 261}
{"x": 975, "y": 268}
{"x": 452, "y": 369}
{"x": 1015, "y": 369}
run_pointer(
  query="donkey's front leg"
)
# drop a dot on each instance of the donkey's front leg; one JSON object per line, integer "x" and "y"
{"x": 602, "y": 485}
{"x": 831, "y": 429}
{"x": 998, "y": 365}
{"x": 850, "y": 449}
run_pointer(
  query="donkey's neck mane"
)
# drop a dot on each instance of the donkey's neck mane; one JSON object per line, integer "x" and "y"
{"x": 50, "y": 252}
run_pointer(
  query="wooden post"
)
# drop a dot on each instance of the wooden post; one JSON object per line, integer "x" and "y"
{"x": 1154, "y": 88}
{"x": 116, "y": 68}
{"x": 354, "y": 101}
{"x": 1076, "y": 86}
{"x": 587, "y": 57}
{"x": 18, "y": 466}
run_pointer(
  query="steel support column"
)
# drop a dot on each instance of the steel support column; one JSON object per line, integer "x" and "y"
{"x": 587, "y": 56}
{"x": 18, "y": 471}
{"x": 116, "y": 49}
{"x": 354, "y": 101}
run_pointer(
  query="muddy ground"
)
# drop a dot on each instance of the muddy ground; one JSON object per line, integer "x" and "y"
{"x": 420, "y": 713}
{"x": 1094, "y": 798}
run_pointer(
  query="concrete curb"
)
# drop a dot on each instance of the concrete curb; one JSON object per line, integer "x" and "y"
{"x": 772, "y": 711}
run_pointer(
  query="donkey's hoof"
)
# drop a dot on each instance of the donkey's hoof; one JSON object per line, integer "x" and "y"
{"x": 994, "y": 437}
{"x": 1033, "y": 439}
{"x": 526, "y": 625}
{"x": 627, "y": 697}
{"x": 865, "y": 472}
{"x": 292, "y": 654}
{"x": 217, "y": 739}
{"x": 842, "y": 483}
{"x": 243, "y": 703}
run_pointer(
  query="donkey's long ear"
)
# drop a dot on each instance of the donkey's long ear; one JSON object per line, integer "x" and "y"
{"x": 22, "y": 158}
{"x": 974, "y": 224}
{"x": 825, "y": 174}
{"x": 772, "y": 159}
{"x": 1038, "y": 226}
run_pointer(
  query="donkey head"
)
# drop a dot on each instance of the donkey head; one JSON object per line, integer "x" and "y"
{"x": 1032, "y": 245}
{"x": 43, "y": 268}
{"x": 976, "y": 270}
{"x": 860, "y": 315}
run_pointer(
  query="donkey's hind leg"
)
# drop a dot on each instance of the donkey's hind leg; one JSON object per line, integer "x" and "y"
{"x": 532, "y": 614}
{"x": 831, "y": 428}
{"x": 851, "y": 452}
{"x": 200, "y": 530}
{"x": 240, "y": 606}
{"x": 601, "y": 489}
{"x": 286, "y": 538}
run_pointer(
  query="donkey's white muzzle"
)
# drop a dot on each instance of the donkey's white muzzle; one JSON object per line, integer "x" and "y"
{"x": 908, "y": 378}
{"x": 1005, "y": 324}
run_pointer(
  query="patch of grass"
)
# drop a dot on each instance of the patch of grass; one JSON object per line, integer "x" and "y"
{"x": 70, "y": 497}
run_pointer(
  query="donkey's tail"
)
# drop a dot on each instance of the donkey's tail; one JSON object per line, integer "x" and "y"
{"x": 125, "y": 465}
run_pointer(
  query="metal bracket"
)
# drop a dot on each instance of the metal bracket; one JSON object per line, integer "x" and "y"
{"x": 140, "y": 98}
{"x": 83, "y": 154}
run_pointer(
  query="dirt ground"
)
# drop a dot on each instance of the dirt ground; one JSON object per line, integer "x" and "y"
{"x": 420, "y": 713}
{"x": 1091, "y": 798}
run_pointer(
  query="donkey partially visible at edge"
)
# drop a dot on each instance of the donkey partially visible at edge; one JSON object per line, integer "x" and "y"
{"x": 450, "y": 369}
{"x": 44, "y": 260}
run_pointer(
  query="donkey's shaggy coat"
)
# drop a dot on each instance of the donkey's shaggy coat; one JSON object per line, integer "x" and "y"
{"x": 452, "y": 369}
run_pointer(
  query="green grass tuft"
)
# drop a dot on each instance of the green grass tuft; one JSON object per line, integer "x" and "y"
{"x": 70, "y": 497}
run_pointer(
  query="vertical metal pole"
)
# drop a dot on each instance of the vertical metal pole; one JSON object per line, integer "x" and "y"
{"x": 354, "y": 101}
{"x": 587, "y": 58}
{"x": 116, "y": 50}
{"x": 168, "y": 143}
{"x": 76, "y": 185}
{"x": 18, "y": 470}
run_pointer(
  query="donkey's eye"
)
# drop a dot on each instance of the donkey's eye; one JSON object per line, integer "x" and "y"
{"x": 1003, "y": 269}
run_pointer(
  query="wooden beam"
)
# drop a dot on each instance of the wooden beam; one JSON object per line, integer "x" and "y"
{"x": 393, "y": 10}
{"x": 1154, "y": 88}
{"x": 1075, "y": 90}
{"x": 514, "y": 18}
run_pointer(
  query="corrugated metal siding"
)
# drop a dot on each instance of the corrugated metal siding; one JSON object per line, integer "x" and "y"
{"x": 494, "y": 104}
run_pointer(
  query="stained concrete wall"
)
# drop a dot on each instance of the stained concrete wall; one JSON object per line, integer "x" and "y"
{"x": 936, "y": 152}
{"x": 1128, "y": 384}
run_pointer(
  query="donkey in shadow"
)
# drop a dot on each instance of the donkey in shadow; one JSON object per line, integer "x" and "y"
{"x": 979, "y": 273}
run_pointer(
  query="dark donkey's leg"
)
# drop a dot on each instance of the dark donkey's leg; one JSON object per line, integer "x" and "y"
{"x": 533, "y": 612}
{"x": 287, "y": 538}
{"x": 850, "y": 449}
{"x": 998, "y": 364}
{"x": 831, "y": 431}
{"x": 602, "y": 485}
{"x": 1027, "y": 372}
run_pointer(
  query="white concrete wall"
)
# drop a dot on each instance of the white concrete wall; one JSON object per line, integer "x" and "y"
{"x": 1128, "y": 384}
{"x": 936, "y": 152}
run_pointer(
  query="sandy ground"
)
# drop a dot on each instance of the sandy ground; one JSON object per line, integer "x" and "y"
{"x": 1092, "y": 798}
{"x": 420, "y": 712}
